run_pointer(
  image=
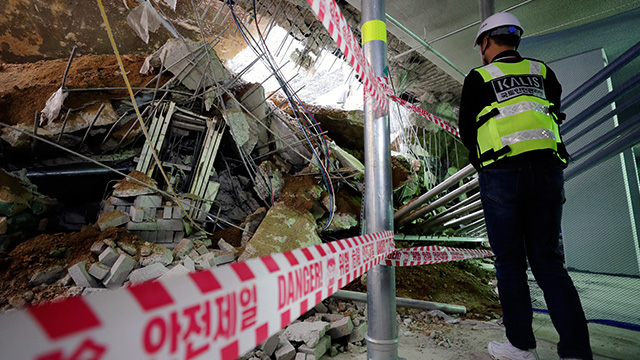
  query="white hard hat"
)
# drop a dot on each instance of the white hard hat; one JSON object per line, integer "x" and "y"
{"x": 503, "y": 23}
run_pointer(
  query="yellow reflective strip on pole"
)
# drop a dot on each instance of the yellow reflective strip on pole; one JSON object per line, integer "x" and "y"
{"x": 374, "y": 30}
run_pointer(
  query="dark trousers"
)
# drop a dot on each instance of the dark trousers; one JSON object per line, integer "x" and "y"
{"x": 523, "y": 210}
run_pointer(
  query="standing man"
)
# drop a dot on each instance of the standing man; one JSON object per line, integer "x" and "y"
{"x": 509, "y": 121}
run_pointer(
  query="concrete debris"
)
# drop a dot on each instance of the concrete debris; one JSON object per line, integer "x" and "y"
{"x": 23, "y": 210}
{"x": 120, "y": 271}
{"x": 251, "y": 224}
{"x": 47, "y": 276}
{"x": 225, "y": 246}
{"x": 81, "y": 277}
{"x": 285, "y": 351}
{"x": 108, "y": 257}
{"x": 308, "y": 332}
{"x": 179, "y": 57}
{"x": 147, "y": 273}
{"x": 283, "y": 229}
{"x": 99, "y": 271}
{"x": 112, "y": 218}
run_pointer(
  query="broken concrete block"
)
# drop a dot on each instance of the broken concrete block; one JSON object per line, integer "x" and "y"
{"x": 91, "y": 291}
{"x": 128, "y": 248}
{"x": 178, "y": 236}
{"x": 145, "y": 249}
{"x": 340, "y": 328}
{"x": 118, "y": 201}
{"x": 321, "y": 308}
{"x": 167, "y": 212}
{"x": 108, "y": 257}
{"x": 81, "y": 277}
{"x": 283, "y": 229}
{"x": 358, "y": 332}
{"x": 224, "y": 258}
{"x": 285, "y": 350}
{"x": 98, "y": 247}
{"x": 189, "y": 263}
{"x": 143, "y": 226}
{"x": 176, "y": 270}
{"x": 120, "y": 271}
{"x": 301, "y": 356}
{"x": 99, "y": 270}
{"x": 164, "y": 237}
{"x": 112, "y": 218}
{"x": 147, "y": 273}
{"x": 183, "y": 248}
{"x": 269, "y": 346}
{"x": 169, "y": 224}
{"x": 225, "y": 246}
{"x": 148, "y": 201}
{"x": 308, "y": 332}
{"x": 206, "y": 261}
{"x": 47, "y": 276}
{"x": 202, "y": 249}
{"x": 136, "y": 213}
{"x": 319, "y": 349}
{"x": 165, "y": 257}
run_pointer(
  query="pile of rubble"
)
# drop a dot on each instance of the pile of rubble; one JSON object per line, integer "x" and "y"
{"x": 23, "y": 210}
{"x": 120, "y": 263}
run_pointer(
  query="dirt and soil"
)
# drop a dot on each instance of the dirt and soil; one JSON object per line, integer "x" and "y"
{"x": 25, "y": 88}
{"x": 46, "y": 251}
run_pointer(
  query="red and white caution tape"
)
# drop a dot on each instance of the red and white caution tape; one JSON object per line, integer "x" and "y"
{"x": 216, "y": 314}
{"x": 333, "y": 20}
{"x": 424, "y": 255}
{"x": 219, "y": 313}
{"x": 427, "y": 115}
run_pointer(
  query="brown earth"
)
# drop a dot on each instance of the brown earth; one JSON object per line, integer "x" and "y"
{"x": 25, "y": 88}
{"x": 46, "y": 251}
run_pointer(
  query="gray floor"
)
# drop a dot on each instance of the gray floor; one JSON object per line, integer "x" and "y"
{"x": 604, "y": 297}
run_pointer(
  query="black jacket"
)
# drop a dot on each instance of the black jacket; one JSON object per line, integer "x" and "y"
{"x": 476, "y": 94}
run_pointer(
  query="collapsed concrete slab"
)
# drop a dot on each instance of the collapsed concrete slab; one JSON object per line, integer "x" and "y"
{"x": 283, "y": 229}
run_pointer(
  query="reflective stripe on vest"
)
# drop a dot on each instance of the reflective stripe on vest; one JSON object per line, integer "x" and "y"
{"x": 519, "y": 120}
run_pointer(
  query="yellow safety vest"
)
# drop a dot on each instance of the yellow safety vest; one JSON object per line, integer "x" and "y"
{"x": 520, "y": 119}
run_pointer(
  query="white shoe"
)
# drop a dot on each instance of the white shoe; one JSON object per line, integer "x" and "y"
{"x": 506, "y": 351}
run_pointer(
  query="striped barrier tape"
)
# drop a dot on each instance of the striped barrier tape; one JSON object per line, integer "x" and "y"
{"x": 333, "y": 20}
{"x": 424, "y": 255}
{"x": 219, "y": 313}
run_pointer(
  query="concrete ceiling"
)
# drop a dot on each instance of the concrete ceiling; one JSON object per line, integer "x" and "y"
{"x": 554, "y": 29}
{"x": 451, "y": 26}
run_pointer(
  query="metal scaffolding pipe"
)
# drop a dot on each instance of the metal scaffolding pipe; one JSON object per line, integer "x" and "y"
{"x": 601, "y": 140}
{"x": 624, "y": 142}
{"x": 382, "y": 335}
{"x": 425, "y": 44}
{"x": 601, "y": 75}
{"x": 619, "y": 108}
{"x": 400, "y": 237}
{"x": 404, "y": 302}
{"x": 600, "y": 104}
{"x": 464, "y": 172}
{"x": 465, "y": 219}
{"x": 439, "y": 202}
{"x": 448, "y": 215}
{"x": 464, "y": 202}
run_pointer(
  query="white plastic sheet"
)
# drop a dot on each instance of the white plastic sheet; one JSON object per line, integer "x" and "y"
{"x": 53, "y": 106}
{"x": 144, "y": 19}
